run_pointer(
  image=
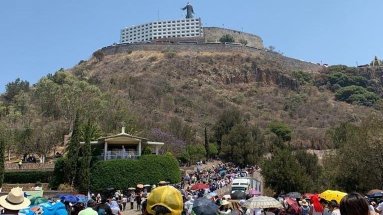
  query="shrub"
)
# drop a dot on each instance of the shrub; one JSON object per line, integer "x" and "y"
{"x": 28, "y": 177}
{"x": 227, "y": 38}
{"x": 121, "y": 174}
{"x": 282, "y": 130}
{"x": 302, "y": 77}
{"x": 356, "y": 94}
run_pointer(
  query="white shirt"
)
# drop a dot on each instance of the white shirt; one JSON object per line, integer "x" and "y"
{"x": 380, "y": 208}
{"x": 335, "y": 212}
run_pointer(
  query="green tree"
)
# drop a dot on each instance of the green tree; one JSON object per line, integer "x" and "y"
{"x": 242, "y": 145}
{"x": 226, "y": 121}
{"x": 227, "y": 38}
{"x": 213, "y": 150}
{"x": 310, "y": 164}
{"x": 73, "y": 152}
{"x": 88, "y": 132}
{"x": 282, "y": 130}
{"x": 14, "y": 88}
{"x": 358, "y": 156}
{"x": 283, "y": 173}
{"x": 196, "y": 152}
{"x": 207, "y": 149}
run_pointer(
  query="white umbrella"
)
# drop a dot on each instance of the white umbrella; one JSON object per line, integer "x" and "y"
{"x": 262, "y": 202}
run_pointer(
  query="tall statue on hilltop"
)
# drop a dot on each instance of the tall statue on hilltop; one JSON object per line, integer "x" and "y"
{"x": 189, "y": 11}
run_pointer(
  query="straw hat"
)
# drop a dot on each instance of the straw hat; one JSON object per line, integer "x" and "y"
{"x": 15, "y": 200}
{"x": 166, "y": 196}
{"x": 225, "y": 202}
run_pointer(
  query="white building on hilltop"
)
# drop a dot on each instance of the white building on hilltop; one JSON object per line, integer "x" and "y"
{"x": 162, "y": 29}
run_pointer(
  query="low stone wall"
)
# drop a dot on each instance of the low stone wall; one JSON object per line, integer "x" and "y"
{"x": 123, "y": 48}
{"x": 29, "y": 166}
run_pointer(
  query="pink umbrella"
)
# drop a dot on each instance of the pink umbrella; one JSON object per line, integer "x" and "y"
{"x": 292, "y": 203}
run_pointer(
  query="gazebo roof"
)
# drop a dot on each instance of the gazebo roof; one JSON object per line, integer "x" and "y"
{"x": 123, "y": 138}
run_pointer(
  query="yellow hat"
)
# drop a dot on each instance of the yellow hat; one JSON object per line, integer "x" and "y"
{"x": 166, "y": 196}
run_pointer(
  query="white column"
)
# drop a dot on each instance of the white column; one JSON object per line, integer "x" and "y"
{"x": 139, "y": 148}
{"x": 157, "y": 149}
{"x": 105, "y": 150}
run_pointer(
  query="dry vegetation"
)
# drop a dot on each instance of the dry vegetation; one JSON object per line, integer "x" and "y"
{"x": 197, "y": 86}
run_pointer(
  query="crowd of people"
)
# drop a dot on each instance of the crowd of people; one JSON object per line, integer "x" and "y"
{"x": 184, "y": 199}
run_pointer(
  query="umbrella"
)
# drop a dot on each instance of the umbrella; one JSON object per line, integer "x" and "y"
{"x": 238, "y": 195}
{"x": 69, "y": 198}
{"x": 294, "y": 195}
{"x": 374, "y": 192}
{"x": 140, "y": 186}
{"x": 199, "y": 186}
{"x": 131, "y": 188}
{"x": 332, "y": 195}
{"x": 262, "y": 202}
{"x": 308, "y": 195}
{"x": 203, "y": 206}
{"x": 227, "y": 197}
{"x": 147, "y": 185}
{"x": 211, "y": 195}
{"x": 82, "y": 198}
{"x": 293, "y": 204}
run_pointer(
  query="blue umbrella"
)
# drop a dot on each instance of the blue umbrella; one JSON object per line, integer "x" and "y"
{"x": 82, "y": 198}
{"x": 69, "y": 198}
{"x": 204, "y": 206}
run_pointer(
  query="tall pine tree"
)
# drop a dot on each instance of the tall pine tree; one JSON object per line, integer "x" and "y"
{"x": 89, "y": 131}
{"x": 73, "y": 149}
{"x": 207, "y": 145}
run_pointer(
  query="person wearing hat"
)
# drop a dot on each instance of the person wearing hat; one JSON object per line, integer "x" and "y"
{"x": 14, "y": 201}
{"x": 224, "y": 209}
{"x": 165, "y": 200}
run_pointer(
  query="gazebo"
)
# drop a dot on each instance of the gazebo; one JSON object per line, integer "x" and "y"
{"x": 125, "y": 146}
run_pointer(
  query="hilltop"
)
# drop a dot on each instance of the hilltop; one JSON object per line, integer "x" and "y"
{"x": 172, "y": 92}
{"x": 196, "y": 83}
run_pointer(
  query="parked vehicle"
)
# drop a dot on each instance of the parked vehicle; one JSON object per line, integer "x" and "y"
{"x": 245, "y": 185}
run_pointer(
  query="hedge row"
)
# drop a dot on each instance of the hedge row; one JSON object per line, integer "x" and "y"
{"x": 121, "y": 174}
{"x": 28, "y": 177}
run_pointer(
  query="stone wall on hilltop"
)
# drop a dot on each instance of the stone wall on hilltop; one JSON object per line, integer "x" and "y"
{"x": 213, "y": 34}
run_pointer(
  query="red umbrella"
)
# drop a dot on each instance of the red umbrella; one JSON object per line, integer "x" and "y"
{"x": 308, "y": 195}
{"x": 292, "y": 203}
{"x": 199, "y": 186}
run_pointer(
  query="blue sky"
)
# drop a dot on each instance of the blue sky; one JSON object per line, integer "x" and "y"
{"x": 41, "y": 36}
